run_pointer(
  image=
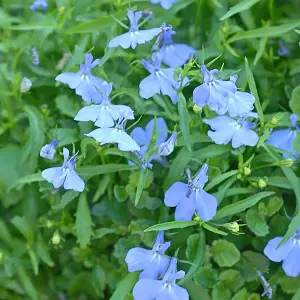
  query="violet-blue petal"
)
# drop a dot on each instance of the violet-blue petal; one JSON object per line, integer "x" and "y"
{"x": 206, "y": 205}
{"x": 149, "y": 86}
{"x": 278, "y": 254}
{"x": 147, "y": 289}
{"x": 74, "y": 182}
{"x": 175, "y": 194}
{"x": 139, "y": 135}
{"x": 291, "y": 264}
{"x": 201, "y": 95}
{"x": 201, "y": 177}
{"x": 186, "y": 208}
{"x": 155, "y": 267}
{"x": 48, "y": 151}
{"x": 161, "y": 130}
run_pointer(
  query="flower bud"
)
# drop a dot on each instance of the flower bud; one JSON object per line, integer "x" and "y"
{"x": 286, "y": 162}
{"x": 274, "y": 121}
{"x": 247, "y": 171}
{"x": 55, "y": 238}
{"x": 233, "y": 226}
{"x": 25, "y": 85}
{"x": 197, "y": 109}
{"x": 261, "y": 183}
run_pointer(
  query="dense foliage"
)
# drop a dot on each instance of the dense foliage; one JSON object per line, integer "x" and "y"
{"x": 72, "y": 242}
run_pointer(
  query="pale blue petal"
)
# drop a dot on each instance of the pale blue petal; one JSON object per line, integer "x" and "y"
{"x": 88, "y": 113}
{"x": 244, "y": 136}
{"x": 71, "y": 79}
{"x": 201, "y": 95}
{"x": 176, "y": 193}
{"x": 240, "y": 104}
{"x": 147, "y": 289}
{"x": 161, "y": 130}
{"x": 66, "y": 154}
{"x": 122, "y": 112}
{"x": 138, "y": 259}
{"x": 278, "y": 254}
{"x": 291, "y": 264}
{"x": 74, "y": 182}
{"x": 201, "y": 177}
{"x": 178, "y": 293}
{"x": 123, "y": 40}
{"x": 186, "y": 208}
{"x": 155, "y": 267}
{"x": 206, "y": 205}
{"x": 149, "y": 86}
{"x": 221, "y": 137}
{"x": 167, "y": 147}
{"x": 279, "y": 138}
{"x": 87, "y": 91}
{"x": 105, "y": 118}
{"x": 168, "y": 89}
{"x": 52, "y": 174}
{"x": 139, "y": 135}
{"x": 221, "y": 122}
{"x": 147, "y": 35}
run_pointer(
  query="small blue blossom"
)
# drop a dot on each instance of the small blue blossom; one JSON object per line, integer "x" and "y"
{"x": 85, "y": 84}
{"x": 25, "y": 85}
{"x": 48, "y": 151}
{"x": 143, "y": 138}
{"x": 165, "y": 289}
{"x": 105, "y": 114}
{"x": 289, "y": 253}
{"x": 39, "y": 4}
{"x": 116, "y": 134}
{"x": 153, "y": 263}
{"x": 173, "y": 54}
{"x": 167, "y": 147}
{"x": 160, "y": 80}
{"x": 190, "y": 197}
{"x": 135, "y": 36}
{"x": 227, "y": 130}
{"x": 65, "y": 175}
{"x": 35, "y": 57}
{"x": 284, "y": 138}
{"x": 165, "y": 4}
{"x": 283, "y": 49}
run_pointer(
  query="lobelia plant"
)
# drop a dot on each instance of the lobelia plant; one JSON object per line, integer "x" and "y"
{"x": 118, "y": 220}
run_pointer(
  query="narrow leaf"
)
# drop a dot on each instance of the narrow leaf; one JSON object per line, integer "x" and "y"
{"x": 125, "y": 286}
{"x": 220, "y": 179}
{"x": 104, "y": 169}
{"x": 171, "y": 225}
{"x": 140, "y": 187}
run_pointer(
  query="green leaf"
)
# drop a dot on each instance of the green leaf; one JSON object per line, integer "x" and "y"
{"x": 232, "y": 279}
{"x": 140, "y": 186}
{"x": 268, "y": 31}
{"x": 33, "y": 26}
{"x": 296, "y": 144}
{"x": 295, "y": 101}
{"x": 211, "y": 151}
{"x": 84, "y": 223}
{"x": 225, "y": 253}
{"x": 195, "y": 252}
{"x": 19, "y": 184}
{"x": 5, "y": 235}
{"x": 171, "y": 225}
{"x": 23, "y": 226}
{"x": 101, "y": 24}
{"x": 43, "y": 251}
{"x": 67, "y": 106}
{"x": 288, "y": 284}
{"x": 220, "y": 292}
{"x": 297, "y": 295}
{"x": 34, "y": 261}
{"x": 27, "y": 284}
{"x": 206, "y": 277}
{"x": 177, "y": 167}
{"x": 101, "y": 232}
{"x": 244, "y": 5}
{"x": 184, "y": 121}
{"x": 220, "y": 179}
{"x": 253, "y": 90}
{"x": 274, "y": 205}
{"x": 125, "y": 286}
{"x": 256, "y": 224}
{"x": 65, "y": 136}
{"x": 65, "y": 200}
{"x": 241, "y": 205}
{"x": 213, "y": 229}
{"x": 104, "y": 169}
{"x": 241, "y": 295}
{"x": 293, "y": 227}
{"x": 120, "y": 193}
{"x": 261, "y": 49}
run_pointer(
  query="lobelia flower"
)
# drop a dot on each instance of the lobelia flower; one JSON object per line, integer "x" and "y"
{"x": 284, "y": 138}
{"x": 165, "y": 4}
{"x": 39, "y": 4}
{"x": 173, "y": 54}
{"x": 143, "y": 138}
{"x": 25, "y": 85}
{"x": 65, "y": 175}
{"x": 135, "y": 36}
{"x": 226, "y": 129}
{"x": 48, "y": 151}
{"x": 160, "y": 80}
{"x": 153, "y": 263}
{"x": 84, "y": 83}
{"x": 35, "y": 57}
{"x": 289, "y": 253}
{"x": 283, "y": 49}
{"x": 116, "y": 134}
{"x": 165, "y": 289}
{"x": 105, "y": 114}
{"x": 167, "y": 147}
{"x": 190, "y": 197}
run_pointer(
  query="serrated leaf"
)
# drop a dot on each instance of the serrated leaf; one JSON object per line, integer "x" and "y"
{"x": 84, "y": 223}
{"x": 225, "y": 253}
{"x": 125, "y": 286}
{"x": 244, "y": 5}
{"x": 241, "y": 205}
{"x": 171, "y": 225}
{"x": 184, "y": 121}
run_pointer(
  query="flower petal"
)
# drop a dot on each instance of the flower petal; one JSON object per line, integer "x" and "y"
{"x": 88, "y": 113}
{"x": 147, "y": 289}
{"x": 291, "y": 264}
{"x": 138, "y": 259}
{"x": 74, "y": 182}
{"x": 71, "y": 79}
{"x": 52, "y": 175}
{"x": 123, "y": 40}
{"x": 185, "y": 209}
{"x": 175, "y": 194}
{"x": 201, "y": 95}
{"x": 149, "y": 86}
{"x": 278, "y": 254}
{"x": 206, "y": 205}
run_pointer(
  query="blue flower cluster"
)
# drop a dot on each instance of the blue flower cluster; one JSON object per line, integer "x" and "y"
{"x": 159, "y": 272}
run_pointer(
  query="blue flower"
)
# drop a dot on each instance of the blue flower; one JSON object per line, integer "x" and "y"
{"x": 39, "y": 4}
{"x": 105, "y": 114}
{"x": 25, "y": 85}
{"x": 289, "y": 253}
{"x": 167, "y": 147}
{"x": 222, "y": 96}
{"x": 190, "y": 197}
{"x": 116, "y": 134}
{"x": 165, "y": 289}
{"x": 143, "y": 138}
{"x": 227, "y": 129}
{"x": 284, "y": 138}
{"x": 84, "y": 83}
{"x": 160, "y": 80}
{"x": 283, "y": 49}
{"x": 65, "y": 175}
{"x": 135, "y": 36}
{"x": 173, "y": 54}
{"x": 165, "y": 4}
{"x": 153, "y": 263}
{"x": 48, "y": 151}
{"x": 35, "y": 57}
